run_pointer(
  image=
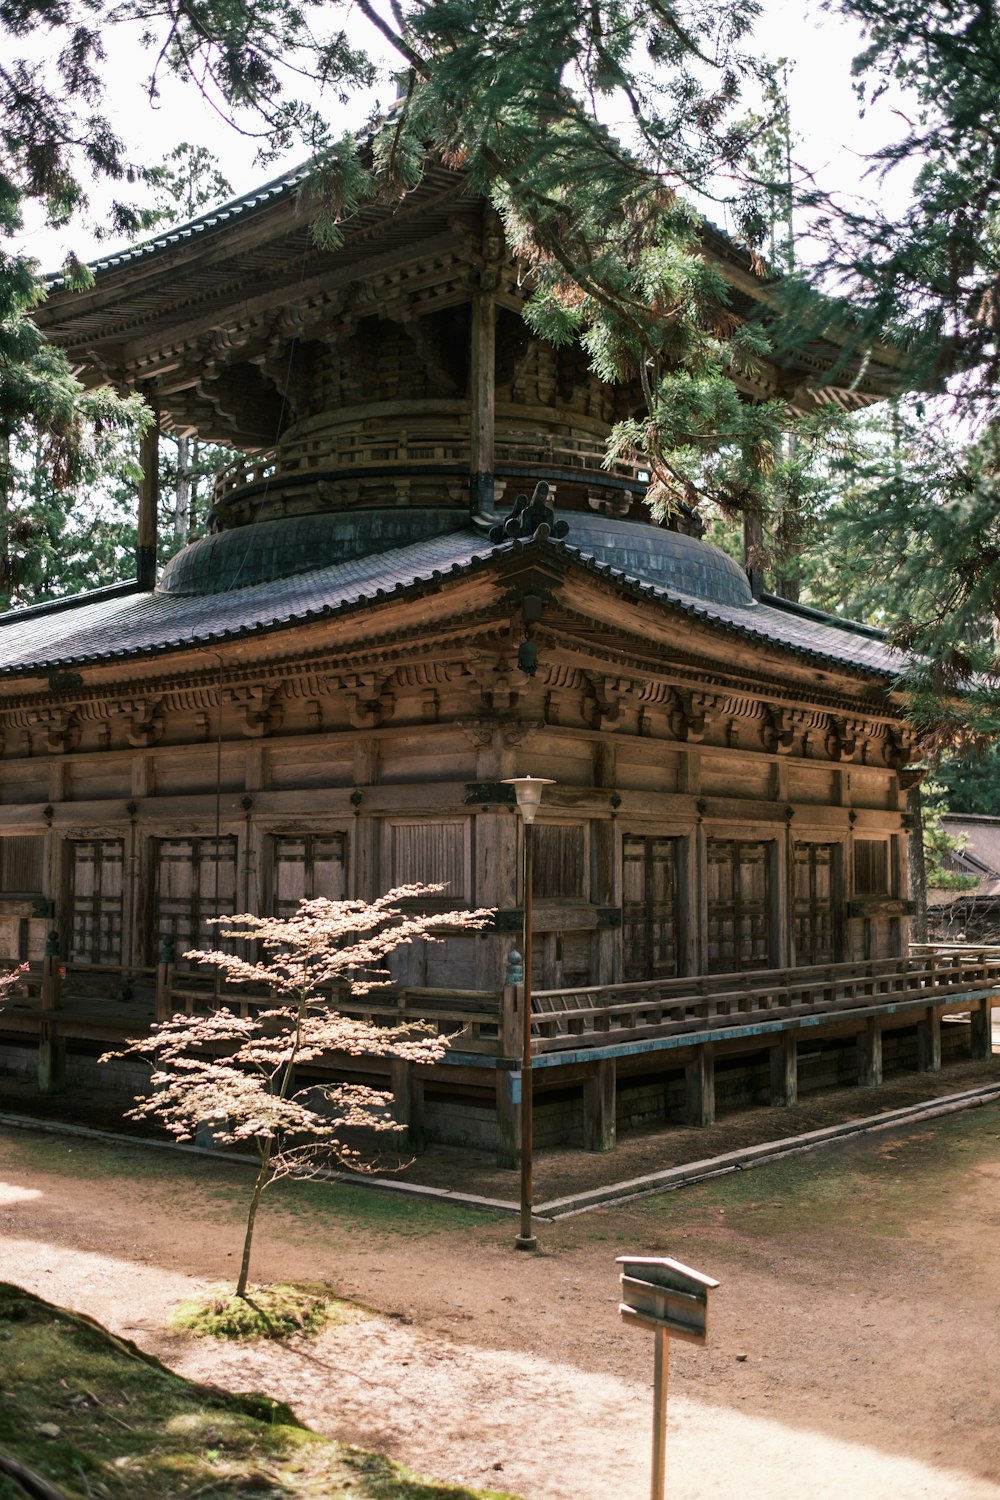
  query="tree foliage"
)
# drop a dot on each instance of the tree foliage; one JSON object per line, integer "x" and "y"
{"x": 237, "y": 1074}
{"x": 519, "y": 98}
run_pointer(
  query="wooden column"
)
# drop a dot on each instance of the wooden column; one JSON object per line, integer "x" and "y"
{"x": 149, "y": 500}
{"x": 164, "y": 1005}
{"x": 408, "y": 1101}
{"x": 784, "y": 1061}
{"x": 699, "y": 1082}
{"x": 599, "y": 1125}
{"x": 508, "y": 1087}
{"x": 51, "y": 1046}
{"x": 482, "y": 401}
{"x": 981, "y": 1018}
{"x": 870, "y": 1054}
{"x": 929, "y": 1041}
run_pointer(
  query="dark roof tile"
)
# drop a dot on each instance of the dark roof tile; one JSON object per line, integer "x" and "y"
{"x": 100, "y": 629}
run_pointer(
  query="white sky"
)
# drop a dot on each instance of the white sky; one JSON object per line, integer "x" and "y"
{"x": 824, "y": 113}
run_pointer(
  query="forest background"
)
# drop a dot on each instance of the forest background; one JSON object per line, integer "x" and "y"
{"x": 603, "y": 133}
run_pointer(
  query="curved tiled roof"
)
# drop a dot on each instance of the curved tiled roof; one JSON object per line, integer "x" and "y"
{"x": 235, "y": 208}
{"x": 102, "y": 630}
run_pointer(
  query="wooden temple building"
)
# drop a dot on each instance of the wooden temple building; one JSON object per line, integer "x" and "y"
{"x": 324, "y": 693}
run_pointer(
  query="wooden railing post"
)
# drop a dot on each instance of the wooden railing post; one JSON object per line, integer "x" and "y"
{"x": 408, "y": 1101}
{"x": 982, "y": 1029}
{"x": 507, "y": 1083}
{"x": 51, "y": 1046}
{"x": 599, "y": 1123}
{"x": 870, "y": 1054}
{"x": 929, "y": 1041}
{"x": 784, "y": 1069}
{"x": 165, "y": 980}
{"x": 699, "y": 1081}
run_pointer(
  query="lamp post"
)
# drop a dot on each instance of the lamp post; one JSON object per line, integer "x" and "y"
{"x": 528, "y": 791}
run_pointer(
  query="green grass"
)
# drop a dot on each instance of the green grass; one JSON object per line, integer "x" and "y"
{"x": 266, "y": 1312}
{"x": 96, "y": 1417}
{"x": 889, "y": 1184}
{"x": 225, "y": 1189}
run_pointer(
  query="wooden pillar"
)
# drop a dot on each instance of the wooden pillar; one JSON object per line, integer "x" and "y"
{"x": 149, "y": 500}
{"x": 508, "y": 1088}
{"x": 599, "y": 1124}
{"x": 929, "y": 1041}
{"x": 164, "y": 1005}
{"x": 482, "y": 401}
{"x": 784, "y": 1061}
{"x": 870, "y": 1054}
{"x": 981, "y": 1018}
{"x": 51, "y": 1046}
{"x": 699, "y": 1082}
{"x": 408, "y": 1101}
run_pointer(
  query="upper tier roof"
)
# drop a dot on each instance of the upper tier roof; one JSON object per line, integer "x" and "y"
{"x": 152, "y": 303}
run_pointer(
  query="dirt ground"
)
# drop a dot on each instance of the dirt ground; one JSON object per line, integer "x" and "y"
{"x": 854, "y": 1337}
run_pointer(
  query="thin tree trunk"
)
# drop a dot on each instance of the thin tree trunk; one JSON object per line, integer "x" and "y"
{"x": 258, "y": 1189}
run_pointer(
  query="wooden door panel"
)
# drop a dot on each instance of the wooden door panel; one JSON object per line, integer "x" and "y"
{"x": 649, "y": 907}
{"x": 739, "y": 917}
{"x": 96, "y": 890}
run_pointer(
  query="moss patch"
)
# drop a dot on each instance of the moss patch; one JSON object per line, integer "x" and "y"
{"x": 266, "y": 1312}
{"x": 95, "y": 1416}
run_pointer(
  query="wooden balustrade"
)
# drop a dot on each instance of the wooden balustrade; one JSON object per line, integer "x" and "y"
{"x": 594, "y": 1015}
{"x": 321, "y": 452}
{"x": 583, "y": 1016}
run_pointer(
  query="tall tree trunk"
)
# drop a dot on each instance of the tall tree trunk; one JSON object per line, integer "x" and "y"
{"x": 918, "y": 865}
{"x": 182, "y": 492}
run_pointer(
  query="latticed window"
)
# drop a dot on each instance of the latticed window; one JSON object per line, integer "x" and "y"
{"x": 650, "y": 942}
{"x": 195, "y": 879}
{"x": 815, "y": 909}
{"x": 96, "y": 883}
{"x": 739, "y": 922}
{"x": 306, "y": 867}
{"x": 871, "y": 867}
{"x": 558, "y": 861}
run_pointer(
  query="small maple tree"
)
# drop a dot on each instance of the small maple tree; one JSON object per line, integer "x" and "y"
{"x": 236, "y": 1074}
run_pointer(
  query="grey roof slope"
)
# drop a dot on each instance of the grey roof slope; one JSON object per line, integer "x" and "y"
{"x": 146, "y": 624}
{"x": 234, "y": 208}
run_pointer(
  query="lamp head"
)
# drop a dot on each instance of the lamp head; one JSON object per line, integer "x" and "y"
{"x": 528, "y": 791}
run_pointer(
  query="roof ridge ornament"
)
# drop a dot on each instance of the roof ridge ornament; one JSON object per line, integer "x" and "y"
{"x": 530, "y": 520}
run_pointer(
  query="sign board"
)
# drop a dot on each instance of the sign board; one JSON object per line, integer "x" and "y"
{"x": 659, "y": 1293}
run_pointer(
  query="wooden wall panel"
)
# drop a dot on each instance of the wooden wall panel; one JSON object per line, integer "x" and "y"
{"x": 27, "y": 781}
{"x": 814, "y": 784}
{"x": 197, "y": 772}
{"x": 870, "y": 788}
{"x": 422, "y": 762}
{"x": 735, "y": 776}
{"x": 99, "y": 780}
{"x": 648, "y": 767}
{"x": 317, "y": 764}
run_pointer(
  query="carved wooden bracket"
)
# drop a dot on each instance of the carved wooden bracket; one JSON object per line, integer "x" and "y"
{"x": 689, "y": 715}
{"x": 61, "y": 728}
{"x": 777, "y": 732}
{"x": 844, "y": 738}
{"x": 145, "y": 721}
{"x": 606, "y": 700}
{"x": 261, "y": 709}
{"x": 372, "y": 702}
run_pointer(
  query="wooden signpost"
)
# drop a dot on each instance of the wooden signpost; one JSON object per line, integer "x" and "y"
{"x": 669, "y": 1299}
